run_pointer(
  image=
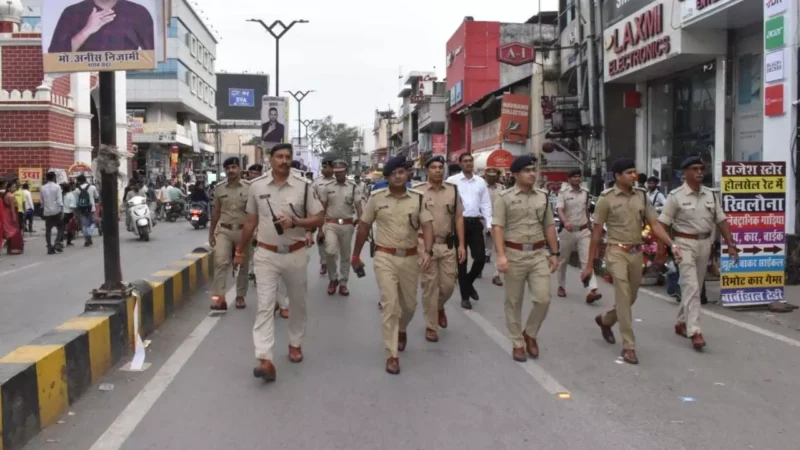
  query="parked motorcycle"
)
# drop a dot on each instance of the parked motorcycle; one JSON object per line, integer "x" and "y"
{"x": 140, "y": 220}
{"x": 173, "y": 211}
{"x": 198, "y": 215}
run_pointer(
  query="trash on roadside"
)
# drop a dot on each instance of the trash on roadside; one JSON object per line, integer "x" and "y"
{"x": 676, "y": 421}
{"x": 637, "y": 320}
{"x": 719, "y": 384}
{"x": 53, "y": 441}
{"x": 688, "y": 399}
{"x": 106, "y": 386}
{"x": 61, "y": 421}
{"x": 146, "y": 343}
{"x": 71, "y": 413}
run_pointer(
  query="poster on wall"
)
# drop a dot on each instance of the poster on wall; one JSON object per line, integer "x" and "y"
{"x": 32, "y": 176}
{"x": 274, "y": 120}
{"x": 754, "y": 199}
{"x": 103, "y": 35}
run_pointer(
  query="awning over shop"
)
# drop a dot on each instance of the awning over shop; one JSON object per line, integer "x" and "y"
{"x": 498, "y": 159}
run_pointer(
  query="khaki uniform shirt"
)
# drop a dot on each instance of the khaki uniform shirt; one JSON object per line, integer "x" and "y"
{"x": 494, "y": 190}
{"x": 523, "y": 215}
{"x": 340, "y": 198}
{"x": 444, "y": 204}
{"x": 623, "y": 214}
{"x": 231, "y": 200}
{"x": 318, "y": 182}
{"x": 286, "y": 200}
{"x": 692, "y": 212}
{"x": 574, "y": 203}
{"x": 399, "y": 219}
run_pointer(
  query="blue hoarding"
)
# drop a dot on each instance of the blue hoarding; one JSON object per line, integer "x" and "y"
{"x": 241, "y": 97}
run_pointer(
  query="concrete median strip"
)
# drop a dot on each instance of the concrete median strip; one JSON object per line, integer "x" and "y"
{"x": 40, "y": 380}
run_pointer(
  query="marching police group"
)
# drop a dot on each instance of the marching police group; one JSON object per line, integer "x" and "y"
{"x": 419, "y": 239}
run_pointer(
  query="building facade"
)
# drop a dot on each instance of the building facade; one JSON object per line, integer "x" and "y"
{"x": 421, "y": 117}
{"x": 172, "y": 106}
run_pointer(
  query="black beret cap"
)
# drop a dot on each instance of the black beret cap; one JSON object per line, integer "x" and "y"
{"x": 256, "y": 168}
{"x": 521, "y": 162}
{"x": 433, "y": 159}
{"x": 574, "y": 173}
{"x": 692, "y": 160}
{"x": 327, "y": 162}
{"x": 278, "y": 147}
{"x": 232, "y": 161}
{"x": 654, "y": 180}
{"x": 622, "y": 164}
{"x": 296, "y": 165}
{"x": 394, "y": 163}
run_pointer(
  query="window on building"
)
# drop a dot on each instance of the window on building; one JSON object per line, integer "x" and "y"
{"x": 172, "y": 30}
{"x": 183, "y": 72}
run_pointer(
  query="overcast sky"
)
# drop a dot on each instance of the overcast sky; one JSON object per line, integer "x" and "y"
{"x": 352, "y": 51}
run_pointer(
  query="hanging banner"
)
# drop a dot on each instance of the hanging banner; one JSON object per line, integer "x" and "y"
{"x": 754, "y": 199}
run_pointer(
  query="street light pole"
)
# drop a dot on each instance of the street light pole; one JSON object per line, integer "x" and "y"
{"x": 307, "y": 123}
{"x": 299, "y": 96}
{"x": 284, "y": 29}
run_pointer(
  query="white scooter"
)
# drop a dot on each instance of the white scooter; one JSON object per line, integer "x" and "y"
{"x": 140, "y": 220}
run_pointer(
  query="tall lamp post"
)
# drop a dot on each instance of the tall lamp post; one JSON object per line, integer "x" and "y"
{"x": 299, "y": 96}
{"x": 277, "y": 35}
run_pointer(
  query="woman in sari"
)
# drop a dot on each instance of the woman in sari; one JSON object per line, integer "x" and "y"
{"x": 13, "y": 236}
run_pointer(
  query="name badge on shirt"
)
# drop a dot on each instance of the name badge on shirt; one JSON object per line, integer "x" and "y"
{"x": 263, "y": 196}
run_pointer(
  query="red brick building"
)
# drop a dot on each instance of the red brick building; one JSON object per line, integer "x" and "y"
{"x": 41, "y": 123}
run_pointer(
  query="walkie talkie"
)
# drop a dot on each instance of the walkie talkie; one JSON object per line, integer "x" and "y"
{"x": 278, "y": 227}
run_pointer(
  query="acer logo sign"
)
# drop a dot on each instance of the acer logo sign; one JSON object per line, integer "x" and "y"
{"x": 774, "y": 33}
{"x": 516, "y": 54}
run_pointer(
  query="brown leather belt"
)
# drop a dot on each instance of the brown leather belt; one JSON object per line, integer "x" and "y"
{"x": 585, "y": 227}
{"x": 397, "y": 251}
{"x": 283, "y": 249}
{"x": 340, "y": 221}
{"x": 628, "y": 248}
{"x": 436, "y": 239}
{"x": 231, "y": 227}
{"x": 524, "y": 247}
{"x": 698, "y": 237}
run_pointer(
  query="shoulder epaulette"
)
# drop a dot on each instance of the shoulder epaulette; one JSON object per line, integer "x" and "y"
{"x": 506, "y": 191}
{"x": 417, "y": 184}
{"x": 220, "y": 184}
{"x": 415, "y": 191}
{"x": 304, "y": 179}
{"x": 637, "y": 188}
{"x": 262, "y": 177}
{"x": 541, "y": 191}
{"x": 247, "y": 182}
{"x": 379, "y": 190}
{"x": 676, "y": 190}
{"x": 604, "y": 193}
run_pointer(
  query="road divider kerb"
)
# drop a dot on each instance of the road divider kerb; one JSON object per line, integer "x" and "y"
{"x": 40, "y": 380}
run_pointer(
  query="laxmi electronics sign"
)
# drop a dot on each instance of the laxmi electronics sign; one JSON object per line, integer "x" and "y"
{"x": 636, "y": 42}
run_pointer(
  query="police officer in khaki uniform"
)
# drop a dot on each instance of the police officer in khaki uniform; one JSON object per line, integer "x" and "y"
{"x": 225, "y": 233}
{"x": 341, "y": 199}
{"x": 524, "y": 232}
{"x": 693, "y": 212}
{"x": 623, "y": 209}
{"x": 573, "y": 209}
{"x": 400, "y": 215}
{"x": 492, "y": 176}
{"x": 282, "y": 206}
{"x": 441, "y": 200}
{"x": 326, "y": 166}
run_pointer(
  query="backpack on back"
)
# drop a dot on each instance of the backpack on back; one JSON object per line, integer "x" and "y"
{"x": 84, "y": 200}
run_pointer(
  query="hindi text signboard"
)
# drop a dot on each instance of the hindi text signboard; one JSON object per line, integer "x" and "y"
{"x": 754, "y": 199}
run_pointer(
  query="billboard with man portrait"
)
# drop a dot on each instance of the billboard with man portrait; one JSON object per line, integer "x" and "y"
{"x": 274, "y": 120}
{"x": 102, "y": 35}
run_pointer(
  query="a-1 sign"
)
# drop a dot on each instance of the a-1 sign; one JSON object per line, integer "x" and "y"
{"x": 241, "y": 97}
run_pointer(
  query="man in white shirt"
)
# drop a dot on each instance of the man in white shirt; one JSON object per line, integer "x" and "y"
{"x": 86, "y": 200}
{"x": 52, "y": 211}
{"x": 29, "y": 207}
{"x": 654, "y": 196}
{"x": 477, "y": 223}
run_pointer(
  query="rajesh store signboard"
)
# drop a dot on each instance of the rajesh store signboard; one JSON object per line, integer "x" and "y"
{"x": 638, "y": 41}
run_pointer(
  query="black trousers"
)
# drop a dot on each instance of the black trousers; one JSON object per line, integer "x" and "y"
{"x": 473, "y": 237}
{"x": 51, "y": 222}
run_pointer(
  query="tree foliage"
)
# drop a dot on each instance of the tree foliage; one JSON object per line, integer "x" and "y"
{"x": 333, "y": 139}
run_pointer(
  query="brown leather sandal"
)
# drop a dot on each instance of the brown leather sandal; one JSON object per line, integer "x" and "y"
{"x": 218, "y": 303}
{"x": 240, "y": 304}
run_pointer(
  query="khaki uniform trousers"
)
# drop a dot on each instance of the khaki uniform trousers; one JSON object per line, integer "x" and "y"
{"x": 695, "y": 254}
{"x": 488, "y": 242}
{"x": 227, "y": 240}
{"x": 283, "y": 296}
{"x": 438, "y": 282}
{"x": 570, "y": 241}
{"x": 291, "y": 270}
{"x": 338, "y": 244}
{"x": 626, "y": 270}
{"x": 531, "y": 269}
{"x": 321, "y": 250}
{"x": 397, "y": 278}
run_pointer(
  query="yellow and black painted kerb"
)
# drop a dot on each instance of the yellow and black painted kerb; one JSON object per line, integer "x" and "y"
{"x": 40, "y": 380}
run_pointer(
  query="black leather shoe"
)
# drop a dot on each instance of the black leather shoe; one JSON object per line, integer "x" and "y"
{"x": 466, "y": 304}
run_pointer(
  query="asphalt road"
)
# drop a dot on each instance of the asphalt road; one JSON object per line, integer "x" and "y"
{"x": 464, "y": 392}
{"x": 40, "y": 291}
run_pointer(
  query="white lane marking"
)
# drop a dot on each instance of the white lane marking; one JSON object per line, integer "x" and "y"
{"x": 534, "y": 370}
{"x": 732, "y": 321}
{"x": 19, "y": 269}
{"x": 119, "y": 431}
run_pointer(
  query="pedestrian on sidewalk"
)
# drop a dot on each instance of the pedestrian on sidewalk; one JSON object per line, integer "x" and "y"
{"x": 327, "y": 176}
{"x": 573, "y": 209}
{"x": 225, "y": 234}
{"x": 29, "y": 208}
{"x": 53, "y": 212}
{"x": 624, "y": 209}
{"x": 492, "y": 177}
{"x": 70, "y": 204}
{"x": 694, "y": 212}
{"x": 439, "y": 278}
{"x": 87, "y": 199}
{"x": 400, "y": 217}
{"x": 477, "y": 225}
{"x": 341, "y": 199}
{"x": 282, "y": 205}
{"x": 527, "y": 252}
{"x": 15, "y": 243}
